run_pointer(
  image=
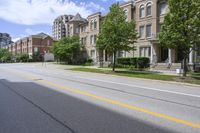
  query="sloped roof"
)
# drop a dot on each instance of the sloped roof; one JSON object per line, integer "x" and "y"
{"x": 78, "y": 18}
{"x": 40, "y": 35}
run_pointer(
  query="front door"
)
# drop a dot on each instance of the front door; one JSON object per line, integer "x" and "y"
{"x": 164, "y": 54}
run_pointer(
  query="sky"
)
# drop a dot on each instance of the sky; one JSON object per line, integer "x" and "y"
{"x": 21, "y": 18}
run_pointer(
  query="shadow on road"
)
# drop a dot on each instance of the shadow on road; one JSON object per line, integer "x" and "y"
{"x": 75, "y": 114}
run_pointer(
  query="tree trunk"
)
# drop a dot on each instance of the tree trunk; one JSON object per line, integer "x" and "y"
{"x": 184, "y": 67}
{"x": 114, "y": 60}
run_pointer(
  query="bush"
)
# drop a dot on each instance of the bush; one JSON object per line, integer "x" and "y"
{"x": 137, "y": 62}
{"x": 124, "y": 61}
{"x": 89, "y": 60}
{"x": 143, "y": 62}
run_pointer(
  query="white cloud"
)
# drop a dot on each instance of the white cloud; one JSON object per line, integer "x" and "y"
{"x": 31, "y": 12}
{"x": 16, "y": 39}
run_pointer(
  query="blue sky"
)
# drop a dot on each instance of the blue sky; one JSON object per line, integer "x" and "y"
{"x": 21, "y": 18}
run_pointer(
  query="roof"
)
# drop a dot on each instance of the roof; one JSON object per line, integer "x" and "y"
{"x": 131, "y": 2}
{"x": 78, "y": 18}
{"x": 40, "y": 35}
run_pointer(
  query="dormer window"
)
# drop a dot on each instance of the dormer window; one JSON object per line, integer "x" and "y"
{"x": 142, "y": 11}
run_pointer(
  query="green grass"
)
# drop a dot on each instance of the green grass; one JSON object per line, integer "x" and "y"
{"x": 140, "y": 74}
{"x": 137, "y": 74}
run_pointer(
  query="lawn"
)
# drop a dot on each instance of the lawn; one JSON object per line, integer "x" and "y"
{"x": 142, "y": 74}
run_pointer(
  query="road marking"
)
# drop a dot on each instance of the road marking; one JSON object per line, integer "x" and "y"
{"x": 146, "y": 111}
{"x": 147, "y": 88}
{"x": 142, "y": 110}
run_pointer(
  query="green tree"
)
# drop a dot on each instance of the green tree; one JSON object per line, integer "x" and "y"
{"x": 181, "y": 28}
{"x": 5, "y": 55}
{"x": 116, "y": 34}
{"x": 67, "y": 49}
{"x": 24, "y": 57}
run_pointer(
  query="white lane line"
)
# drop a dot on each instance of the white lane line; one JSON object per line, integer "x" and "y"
{"x": 147, "y": 88}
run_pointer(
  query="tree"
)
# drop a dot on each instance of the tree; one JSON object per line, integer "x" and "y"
{"x": 5, "y": 55}
{"x": 67, "y": 49}
{"x": 181, "y": 28}
{"x": 116, "y": 34}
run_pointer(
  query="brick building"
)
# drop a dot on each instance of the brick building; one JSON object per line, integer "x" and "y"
{"x": 34, "y": 44}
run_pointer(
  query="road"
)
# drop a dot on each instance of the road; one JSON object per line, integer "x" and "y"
{"x": 47, "y": 99}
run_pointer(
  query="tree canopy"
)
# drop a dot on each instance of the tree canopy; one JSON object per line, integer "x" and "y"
{"x": 67, "y": 49}
{"x": 181, "y": 28}
{"x": 5, "y": 55}
{"x": 117, "y": 34}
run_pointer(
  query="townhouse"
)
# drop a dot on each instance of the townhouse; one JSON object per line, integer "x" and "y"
{"x": 149, "y": 17}
{"x": 34, "y": 44}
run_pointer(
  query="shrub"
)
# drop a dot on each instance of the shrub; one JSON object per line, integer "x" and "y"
{"x": 143, "y": 62}
{"x": 124, "y": 61}
{"x": 89, "y": 60}
{"x": 137, "y": 62}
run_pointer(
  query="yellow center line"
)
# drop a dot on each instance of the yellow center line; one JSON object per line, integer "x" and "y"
{"x": 146, "y": 111}
{"x": 142, "y": 110}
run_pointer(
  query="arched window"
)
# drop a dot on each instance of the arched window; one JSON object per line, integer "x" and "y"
{"x": 126, "y": 14}
{"x": 142, "y": 11}
{"x": 91, "y": 24}
{"x": 163, "y": 7}
{"x": 95, "y": 24}
{"x": 149, "y": 5}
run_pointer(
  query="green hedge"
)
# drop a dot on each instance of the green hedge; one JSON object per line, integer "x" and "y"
{"x": 143, "y": 62}
{"x": 137, "y": 62}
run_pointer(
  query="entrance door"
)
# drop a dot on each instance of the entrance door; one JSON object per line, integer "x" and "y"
{"x": 164, "y": 54}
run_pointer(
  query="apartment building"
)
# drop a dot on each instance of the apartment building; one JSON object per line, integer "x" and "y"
{"x": 5, "y": 39}
{"x": 88, "y": 35}
{"x": 60, "y": 26}
{"x": 149, "y": 17}
{"x": 34, "y": 44}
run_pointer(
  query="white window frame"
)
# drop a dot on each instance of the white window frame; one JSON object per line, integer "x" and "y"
{"x": 141, "y": 11}
{"x": 149, "y": 5}
{"x": 162, "y": 12}
{"x": 143, "y": 34}
{"x": 126, "y": 14}
{"x": 150, "y": 31}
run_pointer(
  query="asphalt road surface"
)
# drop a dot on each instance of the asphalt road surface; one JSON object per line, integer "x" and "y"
{"x": 45, "y": 99}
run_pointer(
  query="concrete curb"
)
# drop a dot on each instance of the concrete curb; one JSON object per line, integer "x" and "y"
{"x": 169, "y": 82}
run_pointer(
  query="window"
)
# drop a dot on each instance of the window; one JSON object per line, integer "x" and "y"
{"x": 159, "y": 27}
{"x": 126, "y": 14}
{"x": 48, "y": 42}
{"x": 77, "y": 30}
{"x": 82, "y": 41}
{"x": 149, "y": 9}
{"x": 35, "y": 49}
{"x": 92, "y": 53}
{"x": 145, "y": 51}
{"x": 141, "y": 31}
{"x": 95, "y": 39}
{"x": 148, "y": 31}
{"x": 142, "y": 11}
{"x": 91, "y": 24}
{"x": 95, "y": 24}
{"x": 163, "y": 7}
{"x": 91, "y": 39}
